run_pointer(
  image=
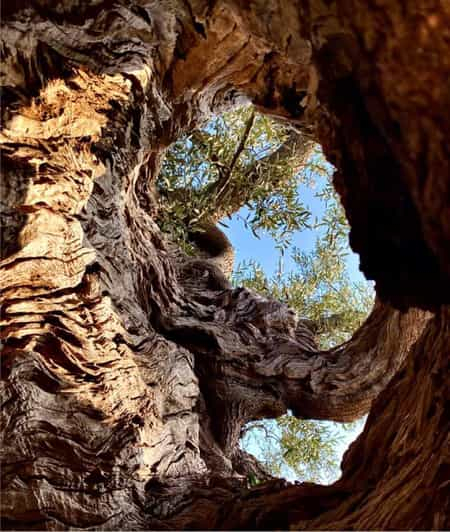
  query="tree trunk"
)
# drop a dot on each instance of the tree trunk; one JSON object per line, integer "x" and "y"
{"x": 126, "y": 376}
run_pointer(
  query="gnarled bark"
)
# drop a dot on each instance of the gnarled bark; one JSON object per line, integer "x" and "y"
{"x": 126, "y": 377}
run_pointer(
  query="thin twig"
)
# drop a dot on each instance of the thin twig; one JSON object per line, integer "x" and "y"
{"x": 220, "y": 185}
{"x": 224, "y": 180}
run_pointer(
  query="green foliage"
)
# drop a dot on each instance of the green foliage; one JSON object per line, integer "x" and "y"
{"x": 217, "y": 169}
{"x": 295, "y": 448}
{"x": 319, "y": 288}
{"x": 252, "y": 480}
{"x": 316, "y": 457}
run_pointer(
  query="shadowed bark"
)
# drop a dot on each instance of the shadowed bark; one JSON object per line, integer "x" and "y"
{"x": 127, "y": 376}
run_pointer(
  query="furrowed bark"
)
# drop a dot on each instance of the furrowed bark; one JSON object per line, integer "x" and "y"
{"x": 247, "y": 342}
{"x": 387, "y": 484}
{"x": 126, "y": 377}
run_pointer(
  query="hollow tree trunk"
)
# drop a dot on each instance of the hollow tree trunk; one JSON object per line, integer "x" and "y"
{"x": 126, "y": 378}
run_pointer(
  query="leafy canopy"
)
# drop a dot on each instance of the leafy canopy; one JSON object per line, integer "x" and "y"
{"x": 232, "y": 162}
{"x": 294, "y": 448}
{"x": 319, "y": 287}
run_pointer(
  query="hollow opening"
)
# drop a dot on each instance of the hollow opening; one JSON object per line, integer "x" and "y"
{"x": 256, "y": 197}
{"x": 300, "y": 450}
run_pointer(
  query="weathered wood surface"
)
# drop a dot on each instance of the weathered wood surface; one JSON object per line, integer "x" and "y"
{"x": 126, "y": 377}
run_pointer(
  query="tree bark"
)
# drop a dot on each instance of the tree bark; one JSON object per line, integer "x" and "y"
{"x": 126, "y": 376}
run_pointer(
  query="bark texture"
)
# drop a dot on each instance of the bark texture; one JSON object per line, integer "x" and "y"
{"x": 127, "y": 375}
